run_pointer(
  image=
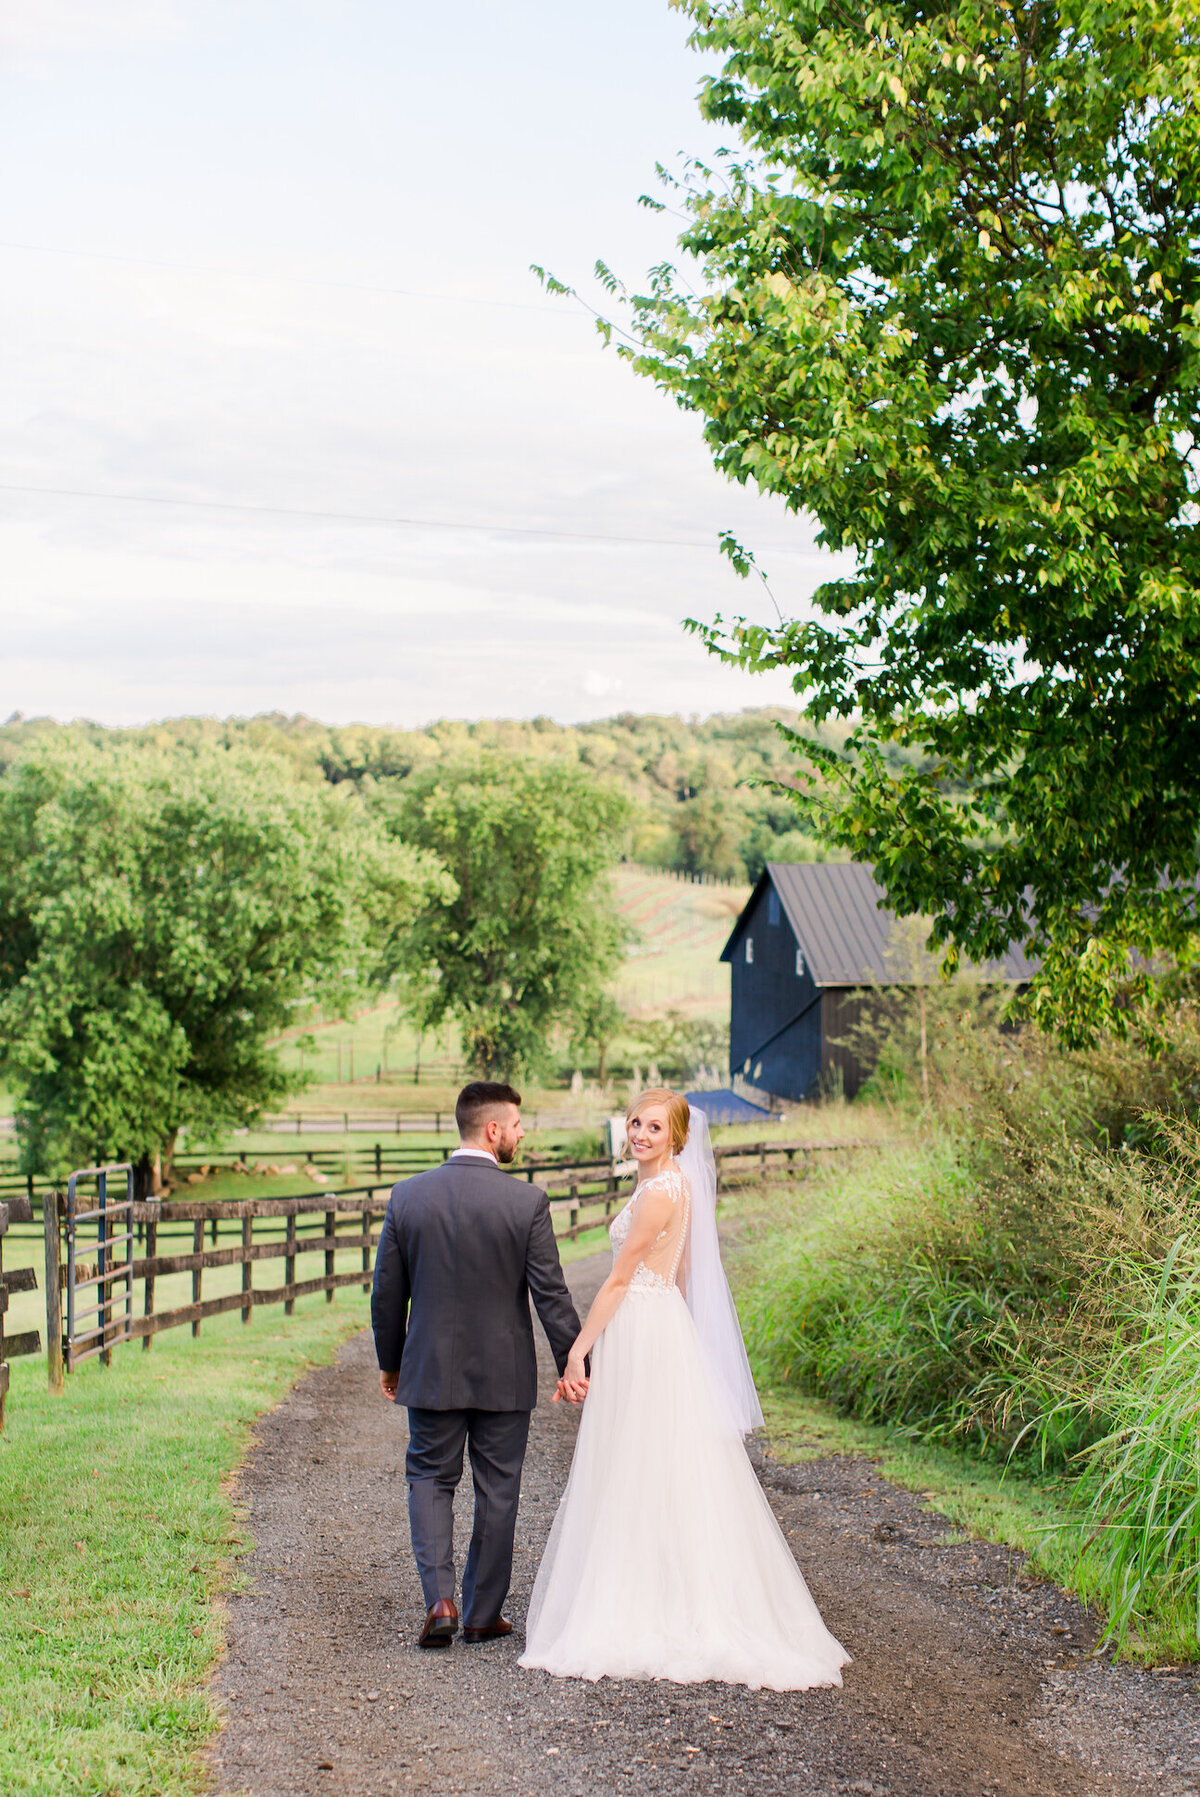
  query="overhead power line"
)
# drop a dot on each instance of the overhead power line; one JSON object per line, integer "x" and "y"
{"x": 396, "y": 520}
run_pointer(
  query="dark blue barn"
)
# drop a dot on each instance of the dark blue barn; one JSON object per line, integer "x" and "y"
{"x": 811, "y": 948}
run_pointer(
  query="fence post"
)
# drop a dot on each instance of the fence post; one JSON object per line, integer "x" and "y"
{"x": 4, "y": 1375}
{"x": 367, "y": 1246}
{"x": 379, "y": 1160}
{"x": 247, "y": 1265}
{"x": 104, "y": 1289}
{"x": 148, "y": 1306}
{"x": 574, "y": 1213}
{"x": 54, "y": 1351}
{"x": 197, "y": 1274}
{"x": 289, "y": 1264}
{"x": 330, "y": 1231}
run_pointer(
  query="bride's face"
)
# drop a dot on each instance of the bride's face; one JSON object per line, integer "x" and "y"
{"x": 649, "y": 1133}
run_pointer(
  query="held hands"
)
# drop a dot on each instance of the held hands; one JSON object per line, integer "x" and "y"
{"x": 572, "y": 1387}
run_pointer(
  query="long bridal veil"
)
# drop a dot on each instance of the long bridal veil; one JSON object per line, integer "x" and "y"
{"x": 665, "y": 1560}
{"x": 707, "y": 1290}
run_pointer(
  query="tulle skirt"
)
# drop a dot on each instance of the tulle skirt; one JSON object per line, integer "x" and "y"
{"x": 665, "y": 1559}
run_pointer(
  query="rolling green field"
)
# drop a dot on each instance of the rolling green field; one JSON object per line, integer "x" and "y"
{"x": 681, "y": 929}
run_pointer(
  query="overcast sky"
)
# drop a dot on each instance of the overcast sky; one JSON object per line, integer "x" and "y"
{"x": 272, "y": 259}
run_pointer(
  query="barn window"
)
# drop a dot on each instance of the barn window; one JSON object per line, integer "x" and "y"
{"x": 772, "y": 907}
{"x": 749, "y": 949}
{"x": 799, "y": 963}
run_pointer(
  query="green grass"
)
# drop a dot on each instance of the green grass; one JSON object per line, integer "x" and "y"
{"x": 117, "y": 1535}
{"x": 376, "y": 1040}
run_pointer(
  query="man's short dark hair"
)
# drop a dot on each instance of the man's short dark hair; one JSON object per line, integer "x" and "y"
{"x": 478, "y": 1099}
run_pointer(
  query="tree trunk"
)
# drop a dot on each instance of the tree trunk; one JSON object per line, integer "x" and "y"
{"x": 147, "y": 1177}
{"x": 164, "y": 1161}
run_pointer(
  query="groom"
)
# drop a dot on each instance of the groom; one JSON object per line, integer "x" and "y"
{"x": 461, "y": 1251}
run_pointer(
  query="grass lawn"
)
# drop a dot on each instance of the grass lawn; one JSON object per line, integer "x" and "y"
{"x": 117, "y": 1535}
{"x": 829, "y": 1273}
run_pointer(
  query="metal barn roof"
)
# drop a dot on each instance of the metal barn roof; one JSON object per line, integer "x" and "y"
{"x": 847, "y": 934}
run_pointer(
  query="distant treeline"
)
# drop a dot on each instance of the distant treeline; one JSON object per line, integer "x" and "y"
{"x": 698, "y": 804}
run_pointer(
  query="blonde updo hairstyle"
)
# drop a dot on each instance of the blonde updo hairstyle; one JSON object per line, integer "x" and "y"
{"x": 678, "y": 1114}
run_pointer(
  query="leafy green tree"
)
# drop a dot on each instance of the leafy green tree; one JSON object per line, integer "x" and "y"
{"x": 679, "y": 1045}
{"x": 530, "y": 936}
{"x": 162, "y": 913}
{"x": 946, "y": 301}
{"x": 597, "y": 1024}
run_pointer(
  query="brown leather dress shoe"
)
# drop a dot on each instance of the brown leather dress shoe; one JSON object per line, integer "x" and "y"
{"x": 495, "y": 1631}
{"x": 441, "y": 1624}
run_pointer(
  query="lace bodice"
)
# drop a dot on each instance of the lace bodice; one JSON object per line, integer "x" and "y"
{"x": 659, "y": 1267}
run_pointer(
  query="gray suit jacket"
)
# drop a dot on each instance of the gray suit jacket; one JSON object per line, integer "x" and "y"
{"x": 462, "y": 1249}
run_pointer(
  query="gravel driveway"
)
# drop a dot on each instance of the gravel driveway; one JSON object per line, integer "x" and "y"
{"x": 968, "y": 1677}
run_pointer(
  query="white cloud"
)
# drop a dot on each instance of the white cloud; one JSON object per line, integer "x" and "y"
{"x": 598, "y": 686}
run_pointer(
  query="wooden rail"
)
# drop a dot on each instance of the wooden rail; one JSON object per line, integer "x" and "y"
{"x": 19, "y": 1279}
{"x": 251, "y": 1219}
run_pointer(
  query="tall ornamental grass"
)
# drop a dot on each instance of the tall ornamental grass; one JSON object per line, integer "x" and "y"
{"x": 1019, "y": 1274}
{"x": 1141, "y": 1480}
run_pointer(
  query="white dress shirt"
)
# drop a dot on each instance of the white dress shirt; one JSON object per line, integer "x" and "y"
{"x": 479, "y": 1154}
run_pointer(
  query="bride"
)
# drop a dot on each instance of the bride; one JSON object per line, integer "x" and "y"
{"x": 665, "y": 1560}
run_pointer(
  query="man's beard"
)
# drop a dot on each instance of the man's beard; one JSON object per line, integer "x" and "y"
{"x": 506, "y": 1152}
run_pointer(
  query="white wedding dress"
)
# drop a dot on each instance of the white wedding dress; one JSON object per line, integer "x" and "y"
{"x": 665, "y": 1559}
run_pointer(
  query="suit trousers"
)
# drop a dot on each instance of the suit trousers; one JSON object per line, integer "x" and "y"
{"x": 496, "y": 1440}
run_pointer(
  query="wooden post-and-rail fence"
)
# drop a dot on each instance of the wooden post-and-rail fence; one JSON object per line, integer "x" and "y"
{"x": 19, "y": 1279}
{"x": 105, "y": 1290}
{"x": 118, "y": 1249}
